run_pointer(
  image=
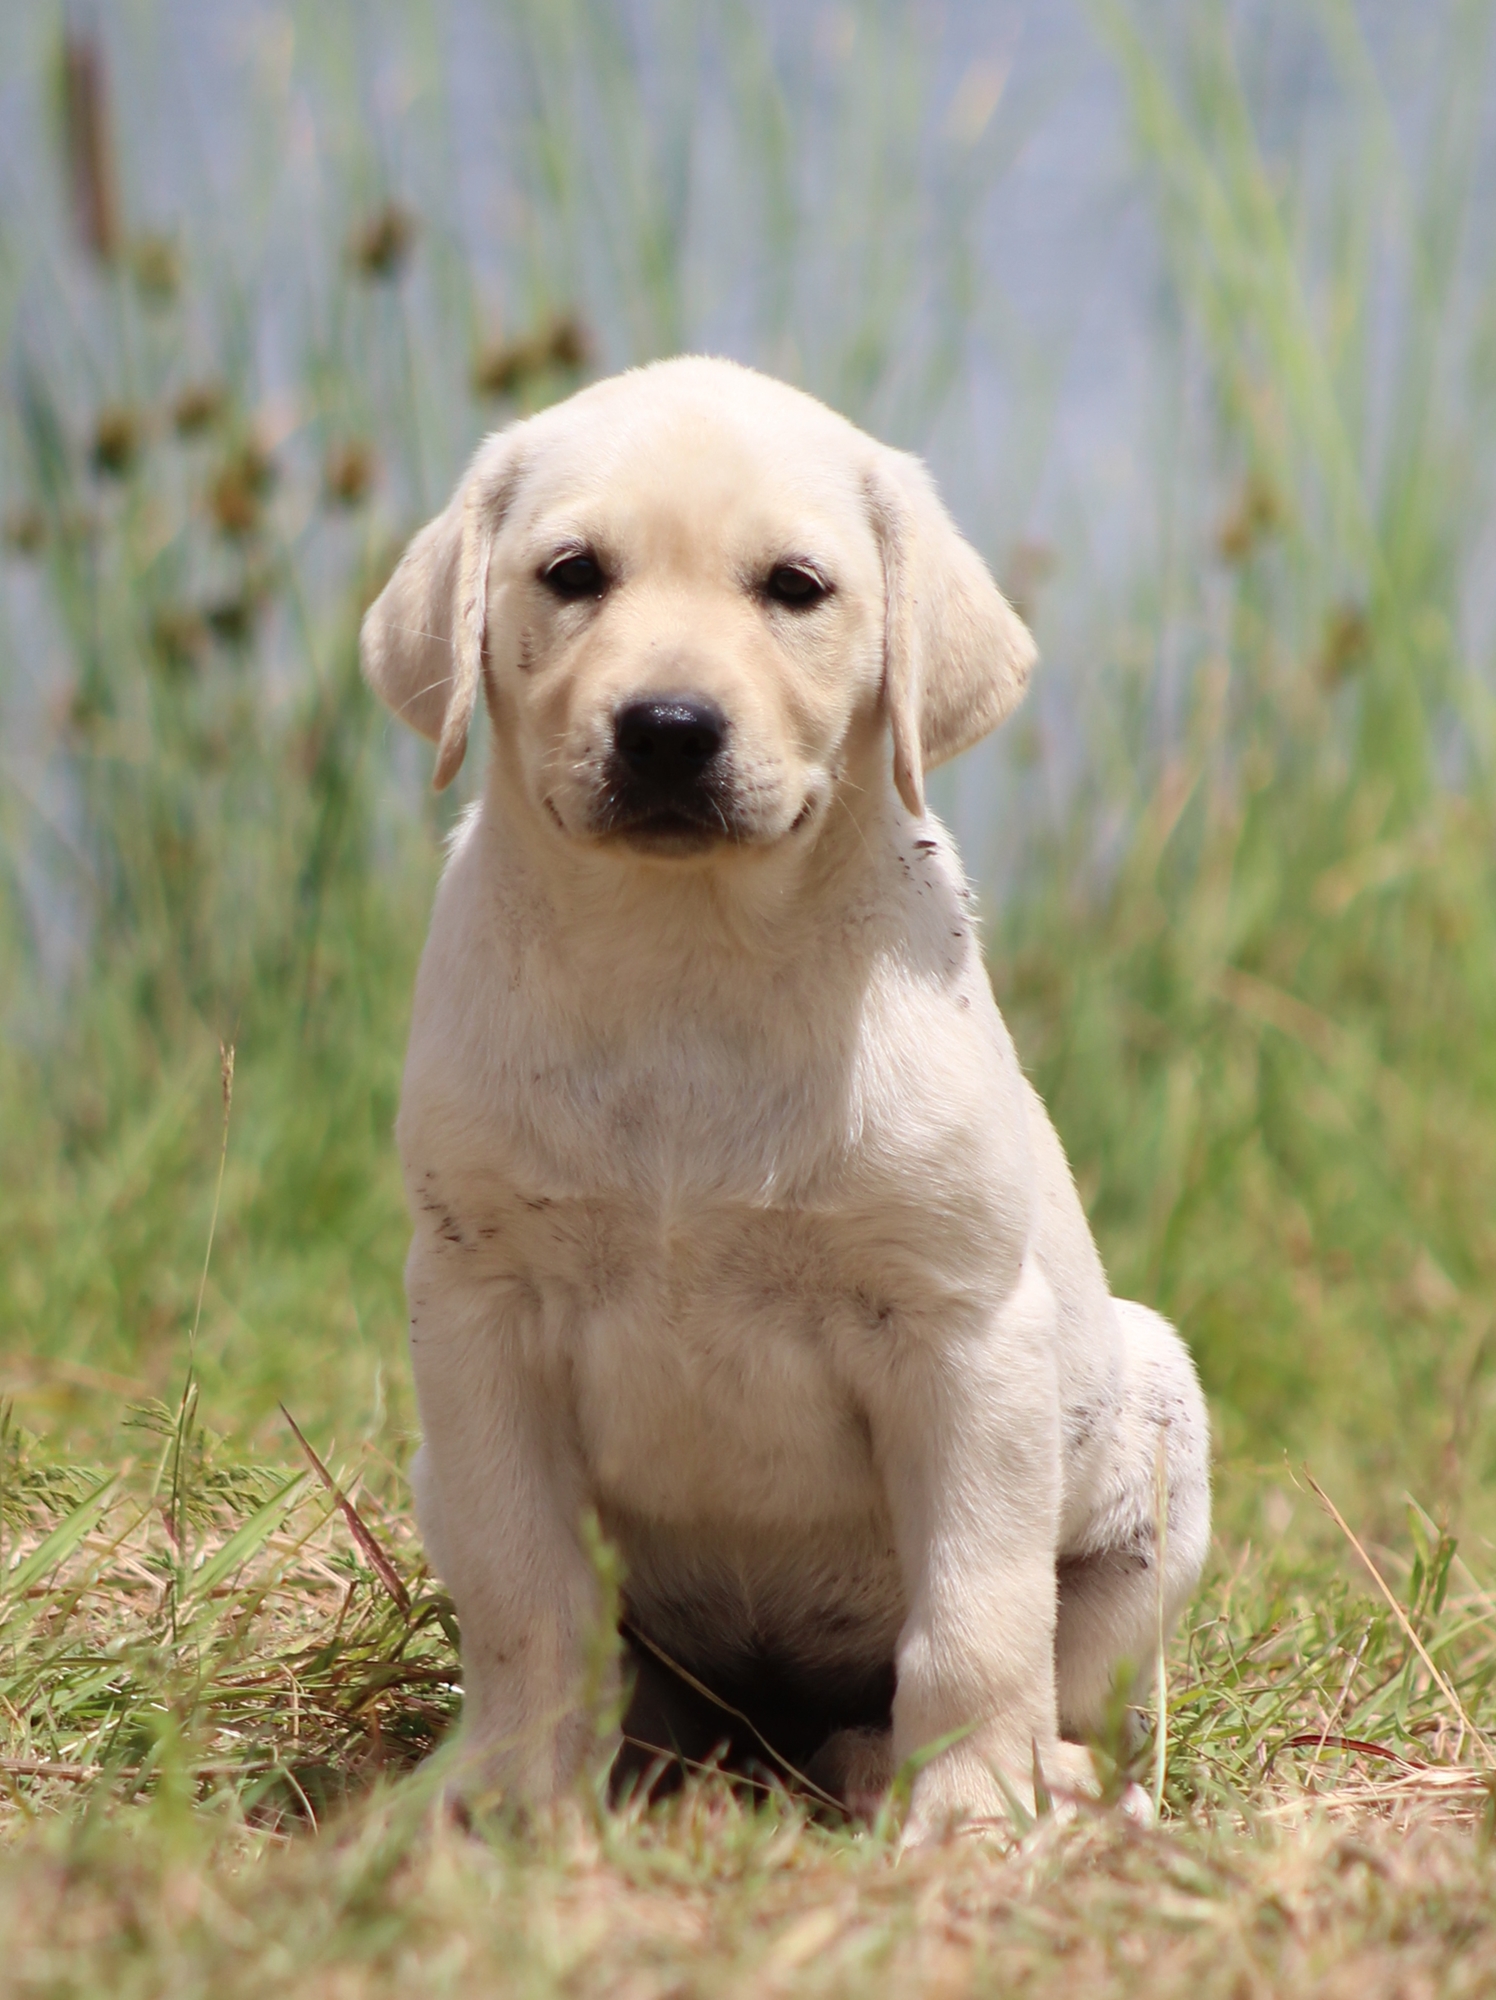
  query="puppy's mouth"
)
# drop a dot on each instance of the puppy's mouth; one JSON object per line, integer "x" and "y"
{"x": 679, "y": 829}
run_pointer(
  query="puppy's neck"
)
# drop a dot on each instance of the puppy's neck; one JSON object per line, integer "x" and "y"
{"x": 758, "y": 908}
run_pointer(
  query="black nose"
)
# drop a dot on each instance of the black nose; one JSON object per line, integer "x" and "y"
{"x": 670, "y": 740}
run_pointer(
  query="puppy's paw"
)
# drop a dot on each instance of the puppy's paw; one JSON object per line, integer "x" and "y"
{"x": 1136, "y": 1805}
{"x": 855, "y": 1767}
{"x": 477, "y": 1785}
{"x": 1068, "y": 1773}
{"x": 1071, "y": 1776}
{"x": 454, "y": 1807}
{"x": 466, "y": 1795}
{"x": 960, "y": 1793}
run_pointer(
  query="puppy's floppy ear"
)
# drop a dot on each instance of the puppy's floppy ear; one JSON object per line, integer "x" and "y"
{"x": 422, "y": 639}
{"x": 957, "y": 656}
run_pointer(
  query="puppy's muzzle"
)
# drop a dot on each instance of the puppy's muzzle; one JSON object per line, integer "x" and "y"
{"x": 668, "y": 787}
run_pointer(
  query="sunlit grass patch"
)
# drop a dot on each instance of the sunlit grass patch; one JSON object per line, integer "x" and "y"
{"x": 188, "y": 1619}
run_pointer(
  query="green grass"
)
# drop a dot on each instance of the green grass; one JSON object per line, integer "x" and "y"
{"x": 1253, "y": 973}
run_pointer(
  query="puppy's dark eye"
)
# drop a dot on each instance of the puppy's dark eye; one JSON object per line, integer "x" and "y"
{"x": 575, "y": 576}
{"x": 793, "y": 585}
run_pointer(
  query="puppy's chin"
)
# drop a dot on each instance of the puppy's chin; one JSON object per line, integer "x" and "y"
{"x": 671, "y": 836}
{"x": 674, "y": 829}
{"x": 660, "y": 835}
{"x": 664, "y": 833}
{"x": 668, "y": 836}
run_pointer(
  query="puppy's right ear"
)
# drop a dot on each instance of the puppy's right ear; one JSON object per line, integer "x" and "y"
{"x": 422, "y": 640}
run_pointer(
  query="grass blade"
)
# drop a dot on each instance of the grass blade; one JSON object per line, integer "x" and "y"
{"x": 1477, "y": 1736}
{"x": 379, "y": 1562}
{"x": 60, "y": 1544}
{"x": 245, "y": 1541}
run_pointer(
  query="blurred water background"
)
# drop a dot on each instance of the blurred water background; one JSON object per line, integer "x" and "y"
{"x": 939, "y": 217}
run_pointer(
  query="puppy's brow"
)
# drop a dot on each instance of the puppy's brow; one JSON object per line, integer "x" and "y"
{"x": 754, "y": 573}
{"x": 564, "y": 538}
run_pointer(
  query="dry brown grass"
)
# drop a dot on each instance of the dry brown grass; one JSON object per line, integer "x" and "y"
{"x": 710, "y": 1898}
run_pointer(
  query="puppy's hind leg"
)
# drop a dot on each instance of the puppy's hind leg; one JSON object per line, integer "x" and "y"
{"x": 1109, "y": 1582}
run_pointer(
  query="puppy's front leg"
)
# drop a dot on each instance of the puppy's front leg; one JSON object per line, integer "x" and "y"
{"x": 498, "y": 1497}
{"x": 967, "y": 1433}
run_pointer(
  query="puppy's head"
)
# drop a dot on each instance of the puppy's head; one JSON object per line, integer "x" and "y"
{"x": 690, "y": 594}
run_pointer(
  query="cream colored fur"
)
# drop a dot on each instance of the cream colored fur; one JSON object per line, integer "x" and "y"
{"x": 735, "y": 1217}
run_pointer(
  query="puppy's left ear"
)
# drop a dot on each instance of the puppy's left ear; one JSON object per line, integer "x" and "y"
{"x": 957, "y": 657}
{"x": 422, "y": 639}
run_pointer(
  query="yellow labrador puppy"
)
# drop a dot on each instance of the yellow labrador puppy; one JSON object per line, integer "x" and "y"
{"x": 735, "y": 1217}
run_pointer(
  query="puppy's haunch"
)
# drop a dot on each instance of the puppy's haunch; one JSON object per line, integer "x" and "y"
{"x": 735, "y": 1218}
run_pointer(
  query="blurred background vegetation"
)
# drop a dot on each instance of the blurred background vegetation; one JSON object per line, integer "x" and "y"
{"x": 1238, "y": 854}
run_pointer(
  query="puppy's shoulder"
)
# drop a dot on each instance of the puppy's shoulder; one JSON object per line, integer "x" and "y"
{"x": 488, "y": 909}
{"x": 466, "y": 1018}
{"x": 932, "y": 1033}
{"x": 931, "y": 924}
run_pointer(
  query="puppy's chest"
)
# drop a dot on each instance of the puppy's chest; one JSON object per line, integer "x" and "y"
{"x": 707, "y": 1363}
{"x": 710, "y": 1251}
